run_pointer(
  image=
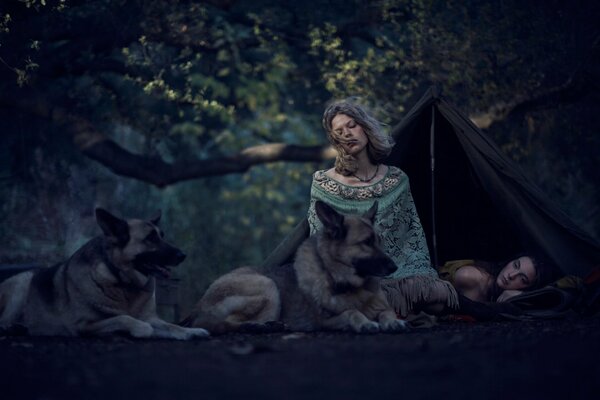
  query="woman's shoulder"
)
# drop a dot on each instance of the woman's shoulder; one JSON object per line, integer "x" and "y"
{"x": 323, "y": 183}
{"x": 332, "y": 173}
{"x": 396, "y": 172}
{"x": 320, "y": 175}
{"x": 469, "y": 276}
{"x": 448, "y": 270}
{"x": 328, "y": 176}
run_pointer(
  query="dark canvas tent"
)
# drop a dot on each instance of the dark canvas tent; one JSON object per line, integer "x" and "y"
{"x": 474, "y": 202}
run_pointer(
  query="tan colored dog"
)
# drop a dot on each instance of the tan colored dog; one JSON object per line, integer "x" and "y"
{"x": 107, "y": 286}
{"x": 333, "y": 285}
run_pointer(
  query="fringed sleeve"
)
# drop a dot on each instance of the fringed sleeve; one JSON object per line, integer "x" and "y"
{"x": 403, "y": 236}
{"x": 406, "y": 293}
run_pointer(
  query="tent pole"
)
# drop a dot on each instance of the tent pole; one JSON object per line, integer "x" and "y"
{"x": 432, "y": 164}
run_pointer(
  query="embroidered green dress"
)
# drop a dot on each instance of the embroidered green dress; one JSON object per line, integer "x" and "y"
{"x": 397, "y": 223}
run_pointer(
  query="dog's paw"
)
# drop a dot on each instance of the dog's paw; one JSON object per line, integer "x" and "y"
{"x": 196, "y": 333}
{"x": 186, "y": 334}
{"x": 141, "y": 330}
{"x": 396, "y": 325}
{"x": 367, "y": 327}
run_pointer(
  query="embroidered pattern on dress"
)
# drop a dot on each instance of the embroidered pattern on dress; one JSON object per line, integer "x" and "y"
{"x": 384, "y": 186}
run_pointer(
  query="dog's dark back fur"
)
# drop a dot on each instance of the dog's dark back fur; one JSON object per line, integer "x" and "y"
{"x": 42, "y": 280}
{"x": 297, "y": 311}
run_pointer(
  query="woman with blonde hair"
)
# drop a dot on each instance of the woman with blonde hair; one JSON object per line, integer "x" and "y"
{"x": 357, "y": 180}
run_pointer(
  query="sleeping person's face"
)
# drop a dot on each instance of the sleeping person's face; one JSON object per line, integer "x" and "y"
{"x": 518, "y": 274}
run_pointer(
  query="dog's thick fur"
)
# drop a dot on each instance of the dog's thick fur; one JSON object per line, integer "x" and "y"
{"x": 332, "y": 285}
{"x": 106, "y": 287}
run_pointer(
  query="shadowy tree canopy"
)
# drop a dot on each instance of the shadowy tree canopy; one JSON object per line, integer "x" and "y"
{"x": 215, "y": 87}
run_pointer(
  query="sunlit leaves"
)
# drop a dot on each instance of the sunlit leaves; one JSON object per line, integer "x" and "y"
{"x": 4, "y": 23}
{"x": 33, "y": 3}
{"x": 187, "y": 129}
{"x": 209, "y": 85}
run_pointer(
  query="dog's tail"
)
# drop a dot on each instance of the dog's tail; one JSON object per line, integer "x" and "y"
{"x": 234, "y": 313}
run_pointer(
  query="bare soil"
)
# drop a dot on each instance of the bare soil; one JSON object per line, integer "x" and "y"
{"x": 501, "y": 360}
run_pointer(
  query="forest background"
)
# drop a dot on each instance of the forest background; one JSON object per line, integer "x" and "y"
{"x": 210, "y": 110}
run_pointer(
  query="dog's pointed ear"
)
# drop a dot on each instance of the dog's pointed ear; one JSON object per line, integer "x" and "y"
{"x": 370, "y": 214}
{"x": 156, "y": 219}
{"x": 333, "y": 222}
{"x": 112, "y": 226}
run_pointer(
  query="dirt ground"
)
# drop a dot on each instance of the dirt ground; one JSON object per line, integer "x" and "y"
{"x": 501, "y": 360}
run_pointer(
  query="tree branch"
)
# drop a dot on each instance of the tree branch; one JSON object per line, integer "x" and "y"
{"x": 573, "y": 90}
{"x": 154, "y": 170}
{"x": 569, "y": 92}
{"x": 159, "y": 173}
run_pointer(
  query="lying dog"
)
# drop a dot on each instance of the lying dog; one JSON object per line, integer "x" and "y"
{"x": 107, "y": 286}
{"x": 332, "y": 285}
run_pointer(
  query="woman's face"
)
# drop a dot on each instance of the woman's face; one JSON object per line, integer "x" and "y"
{"x": 349, "y": 134}
{"x": 517, "y": 275}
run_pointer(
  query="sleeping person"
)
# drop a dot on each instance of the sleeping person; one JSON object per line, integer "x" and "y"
{"x": 484, "y": 281}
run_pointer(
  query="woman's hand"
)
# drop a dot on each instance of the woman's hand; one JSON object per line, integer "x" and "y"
{"x": 507, "y": 294}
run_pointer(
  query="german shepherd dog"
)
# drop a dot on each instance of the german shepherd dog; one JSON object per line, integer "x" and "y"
{"x": 333, "y": 284}
{"x": 106, "y": 287}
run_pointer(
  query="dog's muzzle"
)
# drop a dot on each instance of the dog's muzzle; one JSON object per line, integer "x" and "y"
{"x": 179, "y": 257}
{"x": 158, "y": 263}
{"x": 375, "y": 266}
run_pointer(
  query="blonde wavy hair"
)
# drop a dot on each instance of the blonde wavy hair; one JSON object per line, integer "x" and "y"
{"x": 379, "y": 146}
